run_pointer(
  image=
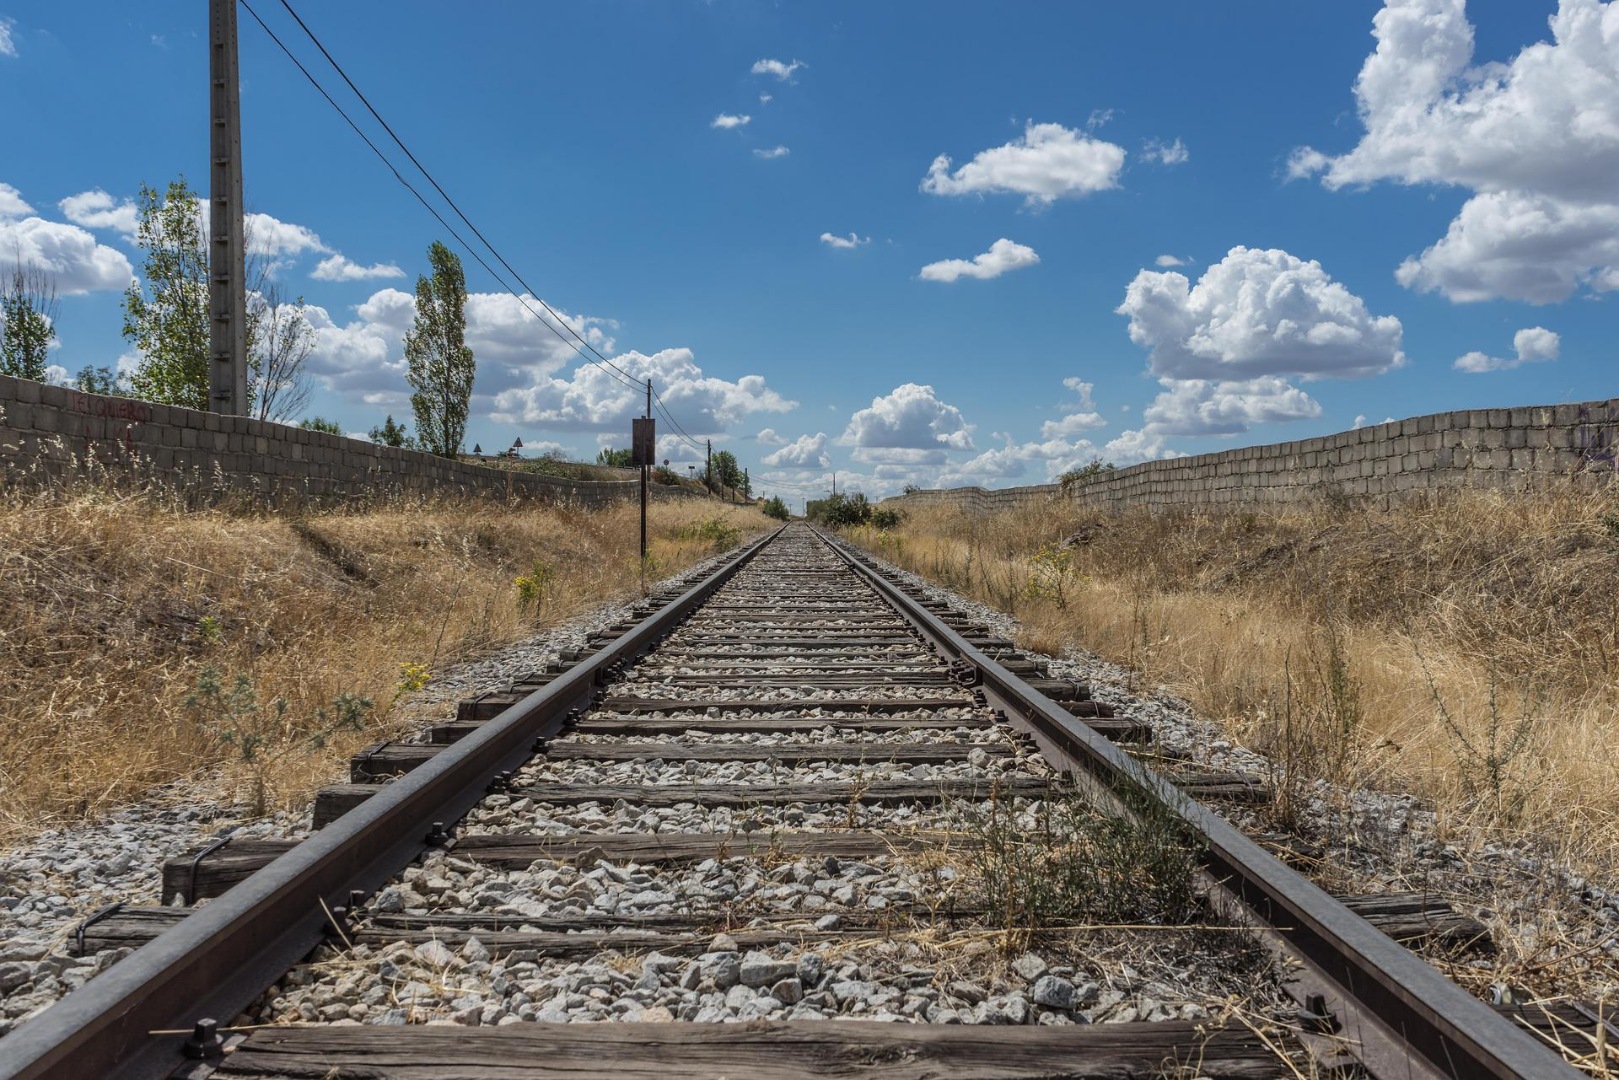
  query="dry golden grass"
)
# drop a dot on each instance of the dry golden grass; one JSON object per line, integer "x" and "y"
{"x": 117, "y": 611}
{"x": 1466, "y": 650}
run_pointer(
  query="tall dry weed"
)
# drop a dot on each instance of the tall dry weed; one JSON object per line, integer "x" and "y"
{"x": 1465, "y": 648}
{"x": 119, "y": 610}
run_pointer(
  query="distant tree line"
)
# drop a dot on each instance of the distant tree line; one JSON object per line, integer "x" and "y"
{"x": 166, "y": 313}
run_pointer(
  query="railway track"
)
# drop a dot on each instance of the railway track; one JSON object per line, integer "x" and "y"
{"x": 776, "y": 799}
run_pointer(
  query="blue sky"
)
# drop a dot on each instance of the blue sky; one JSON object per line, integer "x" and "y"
{"x": 914, "y": 243}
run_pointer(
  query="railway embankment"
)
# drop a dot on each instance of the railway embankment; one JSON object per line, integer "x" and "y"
{"x": 142, "y": 643}
{"x": 1433, "y": 690}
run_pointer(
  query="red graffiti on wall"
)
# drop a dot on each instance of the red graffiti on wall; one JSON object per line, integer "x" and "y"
{"x": 104, "y": 413}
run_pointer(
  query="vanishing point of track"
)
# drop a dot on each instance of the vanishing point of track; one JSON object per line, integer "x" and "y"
{"x": 800, "y": 641}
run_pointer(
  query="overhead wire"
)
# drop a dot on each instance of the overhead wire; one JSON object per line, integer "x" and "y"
{"x": 588, "y": 352}
{"x": 444, "y": 194}
{"x": 465, "y": 246}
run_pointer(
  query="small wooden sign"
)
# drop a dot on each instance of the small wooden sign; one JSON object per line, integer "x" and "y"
{"x": 643, "y": 442}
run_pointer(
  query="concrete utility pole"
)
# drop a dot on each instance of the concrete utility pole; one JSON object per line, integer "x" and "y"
{"x": 227, "y": 290}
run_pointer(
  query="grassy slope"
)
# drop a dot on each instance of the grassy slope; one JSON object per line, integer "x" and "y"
{"x": 1467, "y": 651}
{"x": 115, "y": 612}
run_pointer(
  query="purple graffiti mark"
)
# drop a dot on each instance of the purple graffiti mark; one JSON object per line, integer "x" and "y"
{"x": 1595, "y": 440}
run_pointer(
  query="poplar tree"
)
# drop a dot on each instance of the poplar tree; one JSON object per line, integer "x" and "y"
{"x": 170, "y": 328}
{"x": 27, "y": 320}
{"x": 440, "y": 365}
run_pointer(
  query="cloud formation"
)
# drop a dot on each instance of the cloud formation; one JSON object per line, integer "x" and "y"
{"x": 1168, "y": 261}
{"x": 1535, "y": 138}
{"x": 804, "y": 452}
{"x": 1163, "y": 153}
{"x": 12, "y": 204}
{"x": 911, "y": 418}
{"x": 1257, "y": 313}
{"x": 777, "y": 68}
{"x": 1002, "y": 257}
{"x": 1224, "y": 349}
{"x": 1533, "y": 345}
{"x": 7, "y": 46}
{"x": 851, "y": 241}
{"x": 771, "y": 154}
{"x": 96, "y": 209}
{"x": 1049, "y": 162}
{"x": 68, "y": 253}
{"x": 1083, "y": 418}
{"x": 590, "y": 399}
{"x": 341, "y": 268}
{"x": 727, "y": 121}
{"x": 363, "y": 359}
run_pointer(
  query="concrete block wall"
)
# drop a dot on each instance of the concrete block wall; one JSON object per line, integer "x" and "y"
{"x": 51, "y": 433}
{"x": 1379, "y": 465}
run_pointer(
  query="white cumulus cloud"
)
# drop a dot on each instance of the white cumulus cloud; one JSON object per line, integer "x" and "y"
{"x": 911, "y": 417}
{"x": 341, "y": 268}
{"x": 770, "y": 437}
{"x": 12, "y": 204}
{"x": 363, "y": 358}
{"x": 1048, "y": 163}
{"x": 850, "y": 241}
{"x": 7, "y": 46}
{"x": 97, "y": 210}
{"x": 1192, "y": 407}
{"x": 804, "y": 452}
{"x": 1533, "y": 345}
{"x": 777, "y": 68}
{"x": 771, "y": 154}
{"x": 71, "y": 256}
{"x": 730, "y": 120}
{"x": 590, "y": 399}
{"x": 271, "y": 236}
{"x": 1223, "y": 349}
{"x": 1258, "y": 313}
{"x": 1169, "y": 261}
{"x": 1536, "y": 138}
{"x": 1002, "y": 257}
{"x": 1083, "y": 418}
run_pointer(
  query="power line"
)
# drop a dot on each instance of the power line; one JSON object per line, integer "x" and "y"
{"x": 613, "y": 369}
{"x": 442, "y": 193}
{"x": 595, "y": 355}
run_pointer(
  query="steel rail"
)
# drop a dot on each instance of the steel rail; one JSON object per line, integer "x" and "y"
{"x": 228, "y": 952}
{"x": 1402, "y": 1016}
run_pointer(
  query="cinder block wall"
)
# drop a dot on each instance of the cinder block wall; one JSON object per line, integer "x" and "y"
{"x": 1379, "y": 465}
{"x": 50, "y": 433}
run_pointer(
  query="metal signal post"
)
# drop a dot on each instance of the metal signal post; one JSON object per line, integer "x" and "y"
{"x": 227, "y": 294}
{"x": 643, "y": 452}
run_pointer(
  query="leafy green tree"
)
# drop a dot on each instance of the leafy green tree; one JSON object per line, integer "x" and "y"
{"x": 319, "y": 423}
{"x": 392, "y": 434}
{"x": 27, "y": 322}
{"x": 841, "y": 509}
{"x": 774, "y": 507}
{"x": 726, "y": 471}
{"x": 170, "y": 329}
{"x": 441, "y": 367}
{"x": 100, "y": 380}
{"x": 620, "y": 458}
